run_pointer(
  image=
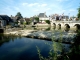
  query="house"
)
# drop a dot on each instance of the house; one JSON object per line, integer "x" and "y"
{"x": 59, "y": 17}
{"x": 13, "y": 18}
{"x": 33, "y": 21}
{"x": 43, "y": 17}
{"x": 5, "y": 20}
{"x": 65, "y": 17}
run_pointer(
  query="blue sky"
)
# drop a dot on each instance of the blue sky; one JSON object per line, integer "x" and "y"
{"x": 29, "y": 8}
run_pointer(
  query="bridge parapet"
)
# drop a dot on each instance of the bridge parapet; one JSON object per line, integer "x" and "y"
{"x": 72, "y": 24}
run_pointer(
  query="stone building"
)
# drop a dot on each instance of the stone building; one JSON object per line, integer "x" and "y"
{"x": 43, "y": 17}
{"x": 5, "y": 20}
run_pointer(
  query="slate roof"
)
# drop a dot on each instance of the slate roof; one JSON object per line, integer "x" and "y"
{"x": 14, "y": 19}
{"x": 0, "y": 18}
{"x": 67, "y": 17}
{"x": 42, "y": 15}
{"x": 5, "y": 17}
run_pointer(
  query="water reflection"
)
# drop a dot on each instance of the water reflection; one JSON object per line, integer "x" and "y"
{"x": 22, "y": 48}
{"x": 6, "y": 38}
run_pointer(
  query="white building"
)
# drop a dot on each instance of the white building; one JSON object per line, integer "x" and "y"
{"x": 59, "y": 17}
{"x": 43, "y": 17}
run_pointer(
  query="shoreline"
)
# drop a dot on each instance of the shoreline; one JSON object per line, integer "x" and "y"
{"x": 63, "y": 37}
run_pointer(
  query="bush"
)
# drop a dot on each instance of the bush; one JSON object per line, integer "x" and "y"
{"x": 47, "y": 21}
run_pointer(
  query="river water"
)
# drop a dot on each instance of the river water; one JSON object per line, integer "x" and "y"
{"x": 22, "y": 48}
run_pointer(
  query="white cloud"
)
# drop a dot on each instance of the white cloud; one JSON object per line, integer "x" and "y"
{"x": 24, "y": 4}
{"x": 43, "y": 5}
{"x": 32, "y": 4}
{"x": 48, "y": 9}
{"x": 72, "y": 10}
{"x": 61, "y": 0}
{"x": 36, "y": 10}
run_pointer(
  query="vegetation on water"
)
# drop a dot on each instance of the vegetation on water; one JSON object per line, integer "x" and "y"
{"x": 6, "y": 38}
{"x": 72, "y": 54}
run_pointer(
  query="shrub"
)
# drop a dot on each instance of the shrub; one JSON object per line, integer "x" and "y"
{"x": 47, "y": 21}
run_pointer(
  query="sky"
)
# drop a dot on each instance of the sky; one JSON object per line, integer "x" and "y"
{"x": 29, "y": 8}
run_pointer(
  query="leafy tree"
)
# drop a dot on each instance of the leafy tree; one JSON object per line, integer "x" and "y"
{"x": 47, "y": 21}
{"x": 18, "y": 16}
{"x": 78, "y": 15}
{"x": 36, "y": 18}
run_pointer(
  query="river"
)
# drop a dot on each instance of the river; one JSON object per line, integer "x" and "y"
{"x": 22, "y": 48}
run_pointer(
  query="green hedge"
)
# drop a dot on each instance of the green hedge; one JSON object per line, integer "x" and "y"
{"x": 47, "y": 21}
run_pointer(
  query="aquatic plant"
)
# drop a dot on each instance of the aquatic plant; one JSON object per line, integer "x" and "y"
{"x": 53, "y": 53}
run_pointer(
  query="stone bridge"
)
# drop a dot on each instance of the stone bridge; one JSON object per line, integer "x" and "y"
{"x": 66, "y": 25}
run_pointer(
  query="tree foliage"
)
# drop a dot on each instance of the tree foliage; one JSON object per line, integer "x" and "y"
{"x": 78, "y": 15}
{"x": 36, "y": 18}
{"x": 18, "y": 16}
{"x": 47, "y": 21}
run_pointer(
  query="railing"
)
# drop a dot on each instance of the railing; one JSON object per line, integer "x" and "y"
{"x": 66, "y": 21}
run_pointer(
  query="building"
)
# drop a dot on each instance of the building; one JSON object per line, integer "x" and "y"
{"x": 43, "y": 17}
{"x": 59, "y": 17}
{"x": 5, "y": 20}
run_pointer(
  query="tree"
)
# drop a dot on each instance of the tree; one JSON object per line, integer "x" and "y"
{"x": 18, "y": 16}
{"x": 47, "y": 21}
{"x": 36, "y": 18}
{"x": 78, "y": 15}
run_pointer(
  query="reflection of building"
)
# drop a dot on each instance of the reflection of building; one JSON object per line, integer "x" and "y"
{"x": 43, "y": 17}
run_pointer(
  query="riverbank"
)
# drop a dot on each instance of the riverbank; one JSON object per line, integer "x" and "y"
{"x": 59, "y": 36}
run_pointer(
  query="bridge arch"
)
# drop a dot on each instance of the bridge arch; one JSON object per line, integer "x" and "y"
{"x": 54, "y": 26}
{"x": 59, "y": 26}
{"x": 66, "y": 27}
{"x": 77, "y": 27}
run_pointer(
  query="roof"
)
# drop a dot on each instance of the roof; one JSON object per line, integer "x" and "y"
{"x": 42, "y": 15}
{"x": 5, "y": 17}
{"x": 0, "y": 18}
{"x": 67, "y": 17}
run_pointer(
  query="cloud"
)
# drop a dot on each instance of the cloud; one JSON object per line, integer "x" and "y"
{"x": 38, "y": 6}
{"x": 72, "y": 10}
{"x": 48, "y": 9}
{"x": 61, "y": 0}
{"x": 36, "y": 10}
{"x": 43, "y": 5}
{"x": 24, "y": 4}
{"x": 32, "y": 4}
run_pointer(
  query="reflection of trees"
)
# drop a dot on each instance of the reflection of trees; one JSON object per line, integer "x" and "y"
{"x": 48, "y": 29}
{"x": 74, "y": 53}
{"x": 75, "y": 48}
{"x": 6, "y": 38}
